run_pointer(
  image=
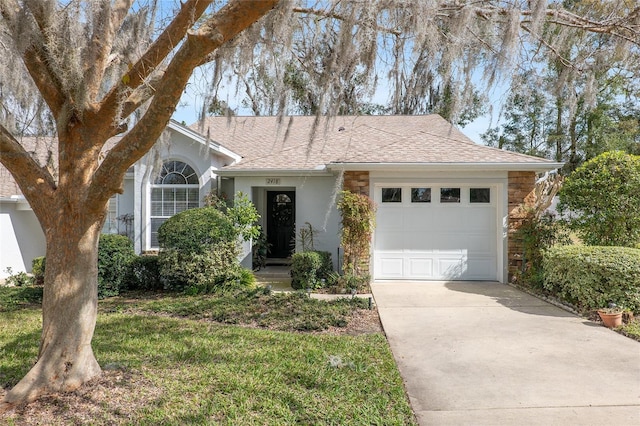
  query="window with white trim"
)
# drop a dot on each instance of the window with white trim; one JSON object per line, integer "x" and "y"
{"x": 176, "y": 189}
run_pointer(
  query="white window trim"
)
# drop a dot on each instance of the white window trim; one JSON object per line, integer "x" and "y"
{"x": 149, "y": 188}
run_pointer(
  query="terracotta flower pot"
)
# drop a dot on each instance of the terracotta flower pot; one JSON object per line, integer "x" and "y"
{"x": 611, "y": 320}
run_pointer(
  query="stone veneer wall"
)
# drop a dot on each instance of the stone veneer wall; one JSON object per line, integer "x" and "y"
{"x": 521, "y": 196}
{"x": 358, "y": 183}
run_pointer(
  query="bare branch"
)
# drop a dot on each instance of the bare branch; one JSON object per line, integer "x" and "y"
{"x": 334, "y": 15}
{"x": 35, "y": 60}
{"x": 106, "y": 23}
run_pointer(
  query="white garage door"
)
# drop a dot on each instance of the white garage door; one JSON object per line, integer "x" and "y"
{"x": 443, "y": 232}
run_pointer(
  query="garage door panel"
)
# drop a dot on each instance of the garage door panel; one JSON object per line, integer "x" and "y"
{"x": 417, "y": 219}
{"x": 390, "y": 267}
{"x": 389, "y": 241}
{"x": 480, "y": 244}
{"x": 451, "y": 268}
{"x": 420, "y": 267}
{"x": 480, "y": 268}
{"x": 448, "y": 241}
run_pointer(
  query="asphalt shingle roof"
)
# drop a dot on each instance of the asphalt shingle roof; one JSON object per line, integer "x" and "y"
{"x": 302, "y": 143}
{"x": 310, "y": 143}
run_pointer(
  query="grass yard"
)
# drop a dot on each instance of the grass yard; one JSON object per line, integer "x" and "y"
{"x": 172, "y": 360}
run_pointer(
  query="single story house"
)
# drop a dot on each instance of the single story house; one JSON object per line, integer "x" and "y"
{"x": 446, "y": 207}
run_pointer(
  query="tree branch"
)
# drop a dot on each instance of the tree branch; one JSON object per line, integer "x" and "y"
{"x": 228, "y": 22}
{"x": 189, "y": 13}
{"x": 34, "y": 57}
{"x": 106, "y": 22}
{"x": 35, "y": 182}
{"x": 334, "y": 15}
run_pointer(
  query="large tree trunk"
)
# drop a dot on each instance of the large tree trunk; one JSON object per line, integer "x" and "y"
{"x": 71, "y": 209}
{"x": 69, "y": 311}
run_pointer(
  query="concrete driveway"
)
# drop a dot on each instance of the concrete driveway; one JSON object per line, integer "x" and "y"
{"x": 484, "y": 353}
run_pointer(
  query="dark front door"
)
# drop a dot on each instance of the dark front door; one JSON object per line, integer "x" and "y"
{"x": 281, "y": 222}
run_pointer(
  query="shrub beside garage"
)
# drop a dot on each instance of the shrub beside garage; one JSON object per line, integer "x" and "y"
{"x": 591, "y": 277}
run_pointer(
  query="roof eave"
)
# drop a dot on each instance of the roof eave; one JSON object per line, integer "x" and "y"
{"x": 319, "y": 171}
{"x": 174, "y": 125}
{"x": 536, "y": 167}
{"x": 19, "y": 200}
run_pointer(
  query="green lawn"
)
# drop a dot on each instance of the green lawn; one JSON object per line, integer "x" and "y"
{"x": 167, "y": 361}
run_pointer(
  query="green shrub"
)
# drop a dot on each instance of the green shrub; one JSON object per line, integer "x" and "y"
{"x": 538, "y": 235}
{"x": 198, "y": 250}
{"x": 603, "y": 199}
{"x": 326, "y": 265}
{"x": 309, "y": 268}
{"x": 590, "y": 277}
{"x": 115, "y": 254}
{"x": 20, "y": 279}
{"x": 37, "y": 269}
{"x": 234, "y": 278}
{"x": 144, "y": 274}
{"x": 347, "y": 282}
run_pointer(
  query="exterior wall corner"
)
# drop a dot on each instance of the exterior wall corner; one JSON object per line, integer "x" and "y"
{"x": 520, "y": 196}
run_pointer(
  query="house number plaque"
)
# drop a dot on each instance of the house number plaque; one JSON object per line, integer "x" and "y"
{"x": 273, "y": 181}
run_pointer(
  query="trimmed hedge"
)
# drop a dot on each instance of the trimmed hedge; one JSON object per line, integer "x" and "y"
{"x": 198, "y": 250}
{"x": 37, "y": 269}
{"x": 144, "y": 274}
{"x": 590, "y": 277}
{"x": 309, "y": 268}
{"x": 115, "y": 254}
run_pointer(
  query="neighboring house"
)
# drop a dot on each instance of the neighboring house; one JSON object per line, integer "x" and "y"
{"x": 446, "y": 207}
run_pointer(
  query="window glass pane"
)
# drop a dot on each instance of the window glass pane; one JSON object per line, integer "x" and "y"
{"x": 192, "y": 179}
{"x": 156, "y": 194}
{"x": 167, "y": 201}
{"x": 449, "y": 195}
{"x": 174, "y": 179}
{"x": 480, "y": 195}
{"x": 156, "y": 208}
{"x": 111, "y": 223}
{"x": 168, "y": 208}
{"x": 155, "y": 224}
{"x": 391, "y": 195}
{"x": 282, "y": 199}
{"x": 176, "y": 173}
{"x": 180, "y": 194}
{"x": 194, "y": 195}
{"x": 420, "y": 195}
{"x": 181, "y": 206}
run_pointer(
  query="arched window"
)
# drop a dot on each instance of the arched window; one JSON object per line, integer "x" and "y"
{"x": 176, "y": 188}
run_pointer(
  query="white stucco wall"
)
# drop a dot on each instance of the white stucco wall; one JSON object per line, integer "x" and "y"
{"x": 315, "y": 203}
{"x": 21, "y": 238}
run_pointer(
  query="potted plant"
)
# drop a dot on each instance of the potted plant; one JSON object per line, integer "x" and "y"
{"x": 611, "y": 316}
